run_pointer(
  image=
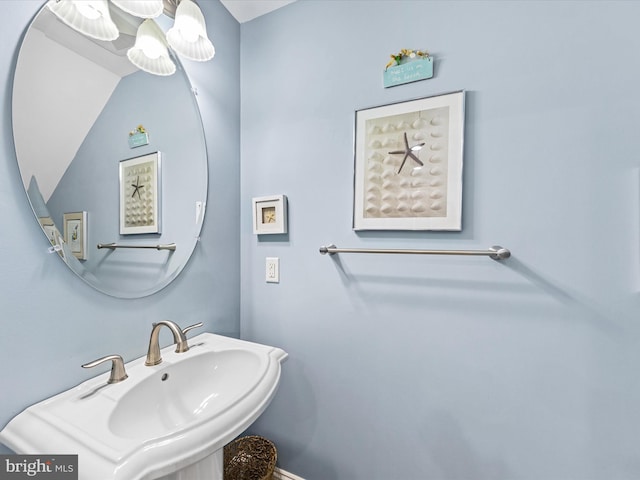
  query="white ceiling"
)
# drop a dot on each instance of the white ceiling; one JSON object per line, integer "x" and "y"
{"x": 245, "y": 10}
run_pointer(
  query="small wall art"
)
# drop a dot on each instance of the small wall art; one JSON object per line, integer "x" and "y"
{"x": 53, "y": 234}
{"x": 270, "y": 214}
{"x": 75, "y": 233}
{"x": 140, "y": 194}
{"x": 138, "y": 137}
{"x": 407, "y": 66}
{"x": 408, "y": 165}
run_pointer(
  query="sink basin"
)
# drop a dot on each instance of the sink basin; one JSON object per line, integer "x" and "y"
{"x": 162, "y": 419}
{"x": 170, "y": 398}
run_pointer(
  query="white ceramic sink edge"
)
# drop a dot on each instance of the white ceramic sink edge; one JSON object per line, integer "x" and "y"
{"x": 111, "y": 444}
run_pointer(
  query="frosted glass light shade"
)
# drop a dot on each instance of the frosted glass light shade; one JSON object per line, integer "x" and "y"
{"x": 140, "y": 8}
{"x": 89, "y": 17}
{"x": 188, "y": 36}
{"x": 150, "y": 50}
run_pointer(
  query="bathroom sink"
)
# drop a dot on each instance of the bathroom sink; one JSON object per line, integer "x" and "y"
{"x": 170, "y": 398}
{"x": 162, "y": 418}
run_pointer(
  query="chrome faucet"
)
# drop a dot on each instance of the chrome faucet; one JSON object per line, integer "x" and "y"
{"x": 179, "y": 337}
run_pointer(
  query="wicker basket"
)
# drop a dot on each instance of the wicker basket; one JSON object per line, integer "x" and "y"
{"x": 250, "y": 458}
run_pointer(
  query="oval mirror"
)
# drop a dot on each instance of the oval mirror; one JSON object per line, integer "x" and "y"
{"x": 109, "y": 154}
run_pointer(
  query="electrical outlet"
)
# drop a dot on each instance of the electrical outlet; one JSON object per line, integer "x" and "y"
{"x": 272, "y": 270}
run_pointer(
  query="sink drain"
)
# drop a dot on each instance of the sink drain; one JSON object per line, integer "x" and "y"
{"x": 165, "y": 376}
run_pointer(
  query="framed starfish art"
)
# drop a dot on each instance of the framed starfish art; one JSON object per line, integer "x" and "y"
{"x": 408, "y": 165}
{"x": 140, "y": 194}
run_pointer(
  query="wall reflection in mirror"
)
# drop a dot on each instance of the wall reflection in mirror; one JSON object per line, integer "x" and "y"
{"x": 75, "y": 102}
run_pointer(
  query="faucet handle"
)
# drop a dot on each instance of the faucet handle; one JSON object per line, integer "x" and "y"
{"x": 118, "y": 373}
{"x": 183, "y": 346}
{"x": 191, "y": 327}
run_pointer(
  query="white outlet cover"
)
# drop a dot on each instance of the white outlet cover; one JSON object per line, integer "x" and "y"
{"x": 272, "y": 270}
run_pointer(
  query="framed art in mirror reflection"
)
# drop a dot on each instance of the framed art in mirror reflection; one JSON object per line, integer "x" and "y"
{"x": 75, "y": 233}
{"x": 140, "y": 194}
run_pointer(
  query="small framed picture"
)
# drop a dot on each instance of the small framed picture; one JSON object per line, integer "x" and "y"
{"x": 270, "y": 214}
{"x": 75, "y": 233}
{"x": 408, "y": 165}
{"x": 53, "y": 234}
{"x": 140, "y": 194}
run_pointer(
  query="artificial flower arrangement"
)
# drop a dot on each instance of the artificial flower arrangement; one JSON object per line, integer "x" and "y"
{"x": 139, "y": 129}
{"x": 404, "y": 53}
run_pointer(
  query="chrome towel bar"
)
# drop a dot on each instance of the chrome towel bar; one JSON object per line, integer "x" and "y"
{"x": 495, "y": 252}
{"x": 113, "y": 246}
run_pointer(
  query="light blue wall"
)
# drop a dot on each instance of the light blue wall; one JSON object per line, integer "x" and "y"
{"x": 449, "y": 367}
{"x": 403, "y": 367}
{"x": 51, "y": 322}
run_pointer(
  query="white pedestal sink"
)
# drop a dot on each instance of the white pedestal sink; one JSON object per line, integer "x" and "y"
{"x": 168, "y": 421}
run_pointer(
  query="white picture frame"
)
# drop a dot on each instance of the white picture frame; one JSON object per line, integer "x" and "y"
{"x": 75, "y": 233}
{"x": 140, "y": 194}
{"x": 53, "y": 234}
{"x": 408, "y": 165}
{"x": 269, "y": 215}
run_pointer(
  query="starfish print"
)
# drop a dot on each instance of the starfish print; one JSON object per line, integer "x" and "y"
{"x": 136, "y": 188}
{"x": 408, "y": 152}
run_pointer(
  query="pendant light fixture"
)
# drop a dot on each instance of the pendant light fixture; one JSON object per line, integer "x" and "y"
{"x": 188, "y": 36}
{"x": 89, "y": 17}
{"x": 150, "y": 50}
{"x": 140, "y": 8}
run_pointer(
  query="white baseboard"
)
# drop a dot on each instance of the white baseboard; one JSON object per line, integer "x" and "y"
{"x": 279, "y": 474}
